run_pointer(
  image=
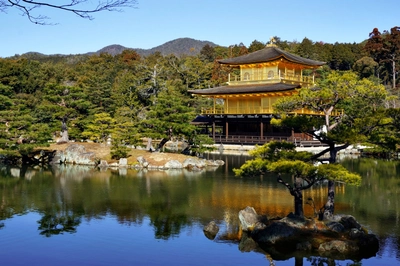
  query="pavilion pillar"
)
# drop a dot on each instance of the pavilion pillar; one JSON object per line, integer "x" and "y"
{"x": 213, "y": 129}
{"x": 292, "y": 135}
{"x": 226, "y": 128}
{"x": 214, "y": 100}
{"x": 261, "y": 129}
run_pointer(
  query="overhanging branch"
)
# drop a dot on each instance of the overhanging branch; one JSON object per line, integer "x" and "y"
{"x": 28, "y": 7}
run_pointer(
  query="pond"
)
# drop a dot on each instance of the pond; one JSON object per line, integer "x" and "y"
{"x": 74, "y": 215}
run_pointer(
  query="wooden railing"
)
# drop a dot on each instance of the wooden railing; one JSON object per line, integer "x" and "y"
{"x": 253, "y": 140}
{"x": 247, "y": 140}
{"x": 259, "y": 111}
{"x": 264, "y": 78}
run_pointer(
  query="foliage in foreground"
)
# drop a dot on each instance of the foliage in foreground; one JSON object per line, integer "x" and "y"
{"x": 281, "y": 158}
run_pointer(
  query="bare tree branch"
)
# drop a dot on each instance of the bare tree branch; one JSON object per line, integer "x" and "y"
{"x": 81, "y": 8}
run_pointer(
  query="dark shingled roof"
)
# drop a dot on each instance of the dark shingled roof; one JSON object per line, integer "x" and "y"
{"x": 269, "y": 54}
{"x": 246, "y": 89}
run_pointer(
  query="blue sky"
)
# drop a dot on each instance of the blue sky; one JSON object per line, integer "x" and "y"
{"x": 224, "y": 22}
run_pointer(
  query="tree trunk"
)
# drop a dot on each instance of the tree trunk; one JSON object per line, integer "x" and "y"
{"x": 64, "y": 136}
{"x": 298, "y": 198}
{"x": 394, "y": 72}
{"x": 162, "y": 143}
{"x": 149, "y": 145}
{"x": 330, "y": 203}
{"x": 298, "y": 261}
{"x": 332, "y": 154}
{"x": 64, "y": 132}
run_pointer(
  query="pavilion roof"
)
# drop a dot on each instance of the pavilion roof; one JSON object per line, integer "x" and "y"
{"x": 268, "y": 54}
{"x": 246, "y": 89}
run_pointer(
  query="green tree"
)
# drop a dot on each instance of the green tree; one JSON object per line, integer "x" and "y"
{"x": 124, "y": 133}
{"x": 95, "y": 76}
{"x": 351, "y": 109}
{"x": 22, "y": 75}
{"x": 365, "y": 67}
{"x": 385, "y": 50}
{"x": 194, "y": 72}
{"x": 392, "y": 51}
{"x": 255, "y": 46}
{"x": 169, "y": 117}
{"x": 282, "y": 158}
{"x": 386, "y": 139}
{"x": 127, "y": 96}
{"x": 169, "y": 111}
{"x": 66, "y": 105}
{"x": 306, "y": 49}
{"x": 20, "y": 131}
{"x": 101, "y": 128}
{"x": 207, "y": 53}
{"x": 343, "y": 57}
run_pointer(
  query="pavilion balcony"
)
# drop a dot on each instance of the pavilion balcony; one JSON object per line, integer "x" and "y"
{"x": 271, "y": 77}
{"x": 258, "y": 111}
{"x": 260, "y": 140}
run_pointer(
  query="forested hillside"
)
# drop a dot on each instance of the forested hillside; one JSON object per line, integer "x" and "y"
{"x": 178, "y": 47}
{"x": 129, "y": 96}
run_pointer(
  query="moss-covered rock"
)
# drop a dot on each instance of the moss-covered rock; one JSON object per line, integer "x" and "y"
{"x": 343, "y": 237}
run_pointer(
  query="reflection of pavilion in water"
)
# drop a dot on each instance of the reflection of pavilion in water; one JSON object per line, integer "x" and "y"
{"x": 268, "y": 198}
{"x": 269, "y": 201}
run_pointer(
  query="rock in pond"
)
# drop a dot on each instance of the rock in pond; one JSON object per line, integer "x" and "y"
{"x": 340, "y": 238}
{"x": 211, "y": 230}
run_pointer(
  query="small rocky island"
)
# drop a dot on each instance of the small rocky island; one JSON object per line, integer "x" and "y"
{"x": 342, "y": 237}
{"x": 78, "y": 155}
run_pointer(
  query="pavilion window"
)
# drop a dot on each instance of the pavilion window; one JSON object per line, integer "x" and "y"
{"x": 258, "y": 74}
{"x": 242, "y": 106}
{"x": 246, "y": 76}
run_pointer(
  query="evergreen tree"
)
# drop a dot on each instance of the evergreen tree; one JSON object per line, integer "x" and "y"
{"x": 100, "y": 129}
{"x": 255, "y": 46}
{"x": 282, "y": 158}
{"x": 351, "y": 107}
{"x": 385, "y": 49}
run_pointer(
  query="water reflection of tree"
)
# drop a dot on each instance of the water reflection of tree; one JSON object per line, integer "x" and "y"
{"x": 377, "y": 201}
{"x": 64, "y": 197}
{"x": 13, "y": 196}
{"x": 58, "y": 223}
{"x": 167, "y": 207}
{"x": 167, "y": 224}
{"x": 318, "y": 261}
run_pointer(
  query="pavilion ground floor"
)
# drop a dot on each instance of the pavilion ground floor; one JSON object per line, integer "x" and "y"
{"x": 249, "y": 130}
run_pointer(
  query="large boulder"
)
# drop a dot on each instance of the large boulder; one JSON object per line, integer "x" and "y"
{"x": 248, "y": 218}
{"x": 193, "y": 162}
{"x": 211, "y": 230}
{"x": 143, "y": 163}
{"x": 75, "y": 154}
{"x": 276, "y": 232}
{"x": 215, "y": 163}
{"x": 338, "y": 246}
{"x": 123, "y": 162}
{"x": 173, "y": 164}
{"x": 343, "y": 237}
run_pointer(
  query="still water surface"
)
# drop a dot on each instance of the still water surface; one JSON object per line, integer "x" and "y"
{"x": 72, "y": 215}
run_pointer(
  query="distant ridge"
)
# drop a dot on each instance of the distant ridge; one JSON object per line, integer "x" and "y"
{"x": 178, "y": 47}
{"x": 113, "y": 49}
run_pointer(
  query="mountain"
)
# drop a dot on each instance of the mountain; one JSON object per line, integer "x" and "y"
{"x": 113, "y": 49}
{"x": 179, "y": 46}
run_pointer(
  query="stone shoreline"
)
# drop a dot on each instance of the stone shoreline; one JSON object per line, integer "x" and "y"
{"x": 244, "y": 149}
{"x": 77, "y": 154}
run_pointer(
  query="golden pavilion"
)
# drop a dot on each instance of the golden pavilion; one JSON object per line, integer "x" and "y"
{"x": 242, "y": 110}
